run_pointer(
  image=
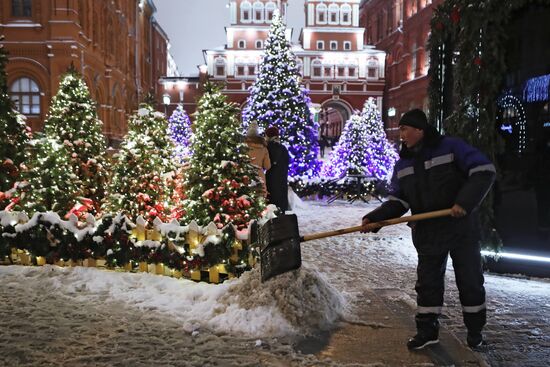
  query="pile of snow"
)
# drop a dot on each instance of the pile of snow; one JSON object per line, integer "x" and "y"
{"x": 298, "y": 302}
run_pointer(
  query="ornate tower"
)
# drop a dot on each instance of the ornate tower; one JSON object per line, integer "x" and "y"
{"x": 250, "y": 22}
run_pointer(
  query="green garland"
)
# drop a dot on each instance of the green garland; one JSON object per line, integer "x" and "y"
{"x": 112, "y": 240}
{"x": 467, "y": 67}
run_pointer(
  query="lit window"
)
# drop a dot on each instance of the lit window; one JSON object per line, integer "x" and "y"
{"x": 320, "y": 45}
{"x": 334, "y": 45}
{"x": 21, "y": 8}
{"x": 347, "y": 45}
{"x": 25, "y": 94}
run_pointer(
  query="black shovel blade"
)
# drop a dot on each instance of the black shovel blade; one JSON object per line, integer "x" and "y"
{"x": 280, "y": 258}
{"x": 279, "y": 241}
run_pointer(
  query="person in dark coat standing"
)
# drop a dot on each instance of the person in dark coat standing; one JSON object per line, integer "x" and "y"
{"x": 437, "y": 172}
{"x": 277, "y": 175}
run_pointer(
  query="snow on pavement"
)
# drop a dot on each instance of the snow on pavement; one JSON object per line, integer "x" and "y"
{"x": 105, "y": 318}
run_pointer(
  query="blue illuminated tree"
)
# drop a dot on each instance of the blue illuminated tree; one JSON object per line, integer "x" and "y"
{"x": 278, "y": 99}
{"x": 179, "y": 126}
{"x": 363, "y": 147}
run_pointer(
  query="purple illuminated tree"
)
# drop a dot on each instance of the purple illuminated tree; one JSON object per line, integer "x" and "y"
{"x": 278, "y": 99}
{"x": 179, "y": 126}
{"x": 363, "y": 147}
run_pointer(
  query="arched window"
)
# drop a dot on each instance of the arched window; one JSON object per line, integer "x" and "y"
{"x": 345, "y": 14}
{"x": 246, "y": 8}
{"x": 269, "y": 10}
{"x": 25, "y": 94}
{"x": 258, "y": 10}
{"x": 414, "y": 64}
{"x": 372, "y": 68}
{"x": 259, "y": 44}
{"x": 333, "y": 14}
{"x": 240, "y": 68}
{"x": 316, "y": 68}
{"x": 321, "y": 14}
{"x": 352, "y": 71}
{"x": 219, "y": 70}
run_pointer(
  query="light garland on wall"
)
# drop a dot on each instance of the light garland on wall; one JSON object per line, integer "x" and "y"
{"x": 509, "y": 101}
{"x": 537, "y": 89}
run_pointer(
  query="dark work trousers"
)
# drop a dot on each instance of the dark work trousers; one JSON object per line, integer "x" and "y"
{"x": 430, "y": 285}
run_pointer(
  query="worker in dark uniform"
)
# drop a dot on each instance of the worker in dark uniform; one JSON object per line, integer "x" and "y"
{"x": 436, "y": 172}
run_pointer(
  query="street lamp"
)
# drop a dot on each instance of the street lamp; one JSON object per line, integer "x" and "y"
{"x": 166, "y": 102}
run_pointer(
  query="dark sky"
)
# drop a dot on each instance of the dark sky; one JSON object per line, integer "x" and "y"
{"x": 194, "y": 25}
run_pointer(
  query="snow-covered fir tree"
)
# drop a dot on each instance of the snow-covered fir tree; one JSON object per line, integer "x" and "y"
{"x": 138, "y": 184}
{"x": 180, "y": 132}
{"x": 14, "y": 137}
{"x": 278, "y": 99}
{"x": 73, "y": 123}
{"x": 221, "y": 184}
{"x": 363, "y": 147}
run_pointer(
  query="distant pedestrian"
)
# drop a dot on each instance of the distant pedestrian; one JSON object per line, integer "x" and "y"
{"x": 277, "y": 175}
{"x": 438, "y": 172}
{"x": 259, "y": 156}
{"x": 323, "y": 143}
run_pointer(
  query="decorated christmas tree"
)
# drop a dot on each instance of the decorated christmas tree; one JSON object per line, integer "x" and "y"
{"x": 14, "y": 137}
{"x": 139, "y": 176}
{"x": 278, "y": 99}
{"x": 50, "y": 184}
{"x": 363, "y": 148}
{"x": 180, "y": 132}
{"x": 221, "y": 184}
{"x": 73, "y": 124}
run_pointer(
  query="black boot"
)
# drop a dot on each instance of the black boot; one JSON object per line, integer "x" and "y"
{"x": 427, "y": 331}
{"x": 474, "y": 323}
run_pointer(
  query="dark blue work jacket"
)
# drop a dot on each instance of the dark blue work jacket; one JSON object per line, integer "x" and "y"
{"x": 436, "y": 177}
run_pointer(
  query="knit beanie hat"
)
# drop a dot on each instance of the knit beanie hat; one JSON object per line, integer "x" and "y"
{"x": 271, "y": 132}
{"x": 415, "y": 118}
{"x": 252, "y": 129}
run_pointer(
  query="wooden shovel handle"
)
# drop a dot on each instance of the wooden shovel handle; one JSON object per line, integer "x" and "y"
{"x": 383, "y": 223}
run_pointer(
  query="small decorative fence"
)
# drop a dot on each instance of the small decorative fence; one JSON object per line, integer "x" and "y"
{"x": 115, "y": 242}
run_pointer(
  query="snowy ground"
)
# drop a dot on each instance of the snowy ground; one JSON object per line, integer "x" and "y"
{"x": 52, "y": 316}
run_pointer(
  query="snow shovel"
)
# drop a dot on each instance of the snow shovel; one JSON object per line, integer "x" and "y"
{"x": 279, "y": 240}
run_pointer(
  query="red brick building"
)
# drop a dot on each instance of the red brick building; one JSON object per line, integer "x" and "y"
{"x": 401, "y": 28}
{"x": 336, "y": 67}
{"x": 116, "y": 45}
